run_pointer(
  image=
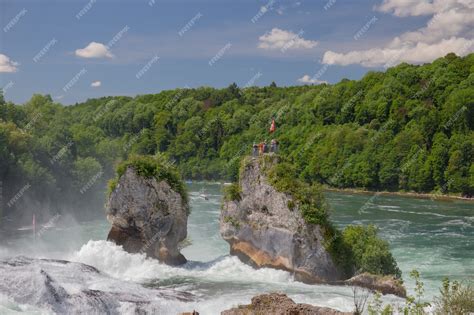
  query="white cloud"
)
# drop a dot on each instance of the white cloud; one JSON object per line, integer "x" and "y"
{"x": 96, "y": 84}
{"x": 281, "y": 39}
{"x": 94, "y": 50}
{"x": 306, "y": 79}
{"x": 411, "y": 7}
{"x": 7, "y": 65}
{"x": 450, "y": 29}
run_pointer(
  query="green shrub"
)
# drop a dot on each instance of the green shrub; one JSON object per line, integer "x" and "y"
{"x": 290, "y": 204}
{"x": 369, "y": 252}
{"x": 233, "y": 221}
{"x": 111, "y": 185}
{"x": 309, "y": 198}
{"x": 232, "y": 192}
{"x": 152, "y": 166}
{"x": 456, "y": 298}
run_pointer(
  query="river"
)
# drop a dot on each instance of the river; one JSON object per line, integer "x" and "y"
{"x": 435, "y": 237}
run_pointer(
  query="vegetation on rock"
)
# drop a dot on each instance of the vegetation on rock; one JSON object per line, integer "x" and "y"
{"x": 369, "y": 253}
{"x": 356, "y": 249}
{"x": 232, "y": 192}
{"x": 152, "y": 167}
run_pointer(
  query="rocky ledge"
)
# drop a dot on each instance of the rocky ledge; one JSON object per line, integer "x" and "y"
{"x": 279, "y": 304}
{"x": 382, "y": 284}
{"x": 148, "y": 216}
{"x": 265, "y": 228}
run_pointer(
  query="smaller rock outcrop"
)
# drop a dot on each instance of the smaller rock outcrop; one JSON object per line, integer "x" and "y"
{"x": 148, "y": 216}
{"x": 279, "y": 304}
{"x": 382, "y": 284}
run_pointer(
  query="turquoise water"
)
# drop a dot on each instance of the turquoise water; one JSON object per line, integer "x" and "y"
{"x": 435, "y": 237}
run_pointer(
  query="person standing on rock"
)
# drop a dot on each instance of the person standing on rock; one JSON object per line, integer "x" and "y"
{"x": 254, "y": 150}
{"x": 260, "y": 148}
{"x": 273, "y": 146}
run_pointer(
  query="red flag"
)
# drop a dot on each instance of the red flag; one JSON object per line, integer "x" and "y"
{"x": 272, "y": 127}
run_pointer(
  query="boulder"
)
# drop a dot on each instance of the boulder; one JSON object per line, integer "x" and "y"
{"x": 279, "y": 304}
{"x": 265, "y": 228}
{"x": 382, "y": 284}
{"x": 148, "y": 216}
{"x": 64, "y": 287}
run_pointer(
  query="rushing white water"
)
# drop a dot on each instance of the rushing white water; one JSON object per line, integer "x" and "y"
{"x": 421, "y": 234}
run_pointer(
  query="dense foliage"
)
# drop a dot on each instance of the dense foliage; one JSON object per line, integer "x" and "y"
{"x": 410, "y": 128}
{"x": 149, "y": 167}
{"x": 369, "y": 253}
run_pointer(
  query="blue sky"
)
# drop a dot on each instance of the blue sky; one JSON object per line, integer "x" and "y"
{"x": 163, "y": 44}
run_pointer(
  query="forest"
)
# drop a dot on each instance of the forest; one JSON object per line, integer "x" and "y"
{"x": 409, "y": 128}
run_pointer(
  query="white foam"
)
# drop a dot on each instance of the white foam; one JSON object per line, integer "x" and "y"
{"x": 113, "y": 260}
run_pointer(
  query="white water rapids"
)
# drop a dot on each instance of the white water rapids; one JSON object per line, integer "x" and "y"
{"x": 212, "y": 280}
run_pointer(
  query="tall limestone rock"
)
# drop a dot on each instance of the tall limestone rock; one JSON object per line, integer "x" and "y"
{"x": 148, "y": 210}
{"x": 266, "y": 228}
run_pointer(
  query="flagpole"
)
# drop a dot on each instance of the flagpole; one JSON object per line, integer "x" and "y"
{"x": 34, "y": 226}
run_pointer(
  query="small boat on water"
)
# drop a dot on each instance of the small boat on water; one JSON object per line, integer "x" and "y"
{"x": 203, "y": 195}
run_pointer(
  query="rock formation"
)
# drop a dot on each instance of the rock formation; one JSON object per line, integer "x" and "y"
{"x": 382, "y": 284}
{"x": 63, "y": 287}
{"x": 279, "y": 304}
{"x": 264, "y": 231}
{"x": 148, "y": 216}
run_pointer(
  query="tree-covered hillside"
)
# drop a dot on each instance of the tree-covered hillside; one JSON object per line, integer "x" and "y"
{"x": 410, "y": 128}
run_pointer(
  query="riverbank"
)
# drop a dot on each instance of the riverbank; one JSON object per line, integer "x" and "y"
{"x": 432, "y": 196}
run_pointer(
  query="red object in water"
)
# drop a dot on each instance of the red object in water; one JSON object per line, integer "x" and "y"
{"x": 272, "y": 127}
